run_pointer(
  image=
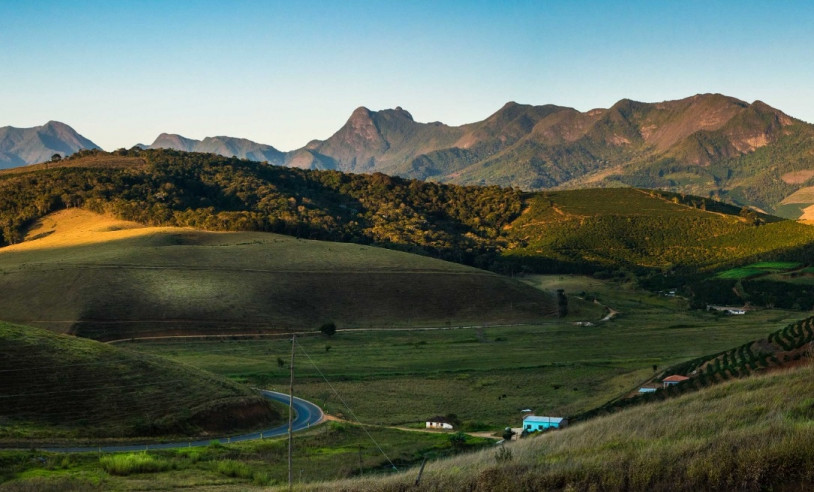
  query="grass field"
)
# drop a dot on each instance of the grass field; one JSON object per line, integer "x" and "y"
{"x": 750, "y": 434}
{"x": 55, "y": 387}
{"x": 487, "y": 375}
{"x": 106, "y": 279}
{"x": 758, "y": 269}
{"x": 333, "y": 451}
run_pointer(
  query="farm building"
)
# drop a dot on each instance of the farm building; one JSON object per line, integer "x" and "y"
{"x": 439, "y": 423}
{"x": 534, "y": 423}
{"x": 673, "y": 380}
{"x": 726, "y": 309}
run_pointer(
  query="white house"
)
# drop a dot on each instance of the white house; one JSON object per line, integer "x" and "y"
{"x": 438, "y": 423}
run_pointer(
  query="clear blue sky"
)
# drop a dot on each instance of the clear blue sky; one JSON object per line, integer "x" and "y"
{"x": 282, "y": 73}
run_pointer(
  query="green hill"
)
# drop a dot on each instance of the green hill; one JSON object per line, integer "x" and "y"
{"x": 646, "y": 231}
{"x": 56, "y": 386}
{"x": 504, "y": 230}
{"x": 102, "y": 278}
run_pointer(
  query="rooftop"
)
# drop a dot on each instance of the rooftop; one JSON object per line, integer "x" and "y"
{"x": 540, "y": 418}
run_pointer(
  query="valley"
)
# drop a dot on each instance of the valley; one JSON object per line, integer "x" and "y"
{"x": 172, "y": 277}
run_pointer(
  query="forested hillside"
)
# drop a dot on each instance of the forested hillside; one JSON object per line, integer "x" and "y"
{"x": 503, "y": 229}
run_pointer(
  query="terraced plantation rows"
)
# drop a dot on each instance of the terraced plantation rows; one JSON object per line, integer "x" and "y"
{"x": 789, "y": 346}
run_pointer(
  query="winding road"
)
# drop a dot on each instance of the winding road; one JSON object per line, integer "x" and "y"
{"x": 307, "y": 414}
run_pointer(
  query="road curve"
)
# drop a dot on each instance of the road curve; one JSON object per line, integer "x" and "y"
{"x": 307, "y": 414}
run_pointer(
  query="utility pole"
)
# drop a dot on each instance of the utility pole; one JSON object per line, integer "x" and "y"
{"x": 291, "y": 417}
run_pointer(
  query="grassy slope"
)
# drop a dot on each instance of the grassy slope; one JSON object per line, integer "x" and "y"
{"x": 59, "y": 386}
{"x": 107, "y": 279}
{"x": 751, "y": 434}
{"x": 631, "y": 228}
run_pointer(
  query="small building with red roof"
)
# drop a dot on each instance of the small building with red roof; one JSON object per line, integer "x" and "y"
{"x": 673, "y": 380}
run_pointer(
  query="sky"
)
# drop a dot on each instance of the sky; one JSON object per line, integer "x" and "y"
{"x": 284, "y": 73}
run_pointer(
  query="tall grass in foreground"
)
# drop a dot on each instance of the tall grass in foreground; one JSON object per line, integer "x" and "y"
{"x": 750, "y": 434}
{"x": 130, "y": 463}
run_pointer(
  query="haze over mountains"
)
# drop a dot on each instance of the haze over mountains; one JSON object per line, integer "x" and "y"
{"x": 708, "y": 145}
{"x": 226, "y": 146}
{"x": 21, "y": 146}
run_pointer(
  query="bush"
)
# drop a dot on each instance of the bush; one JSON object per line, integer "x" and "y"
{"x": 236, "y": 469}
{"x": 328, "y": 329}
{"x": 503, "y": 455}
{"x": 127, "y": 464}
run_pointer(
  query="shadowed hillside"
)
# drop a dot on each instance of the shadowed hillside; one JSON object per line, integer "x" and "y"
{"x": 102, "y": 278}
{"x": 55, "y": 386}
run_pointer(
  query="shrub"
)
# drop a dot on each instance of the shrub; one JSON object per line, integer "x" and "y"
{"x": 127, "y": 464}
{"x": 236, "y": 469}
{"x": 503, "y": 455}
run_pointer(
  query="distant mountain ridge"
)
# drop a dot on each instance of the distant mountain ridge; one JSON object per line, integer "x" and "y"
{"x": 709, "y": 145}
{"x": 21, "y": 146}
{"x": 225, "y": 146}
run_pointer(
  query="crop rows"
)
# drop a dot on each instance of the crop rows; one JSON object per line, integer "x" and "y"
{"x": 716, "y": 368}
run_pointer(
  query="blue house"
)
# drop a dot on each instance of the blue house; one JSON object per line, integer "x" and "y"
{"x": 534, "y": 423}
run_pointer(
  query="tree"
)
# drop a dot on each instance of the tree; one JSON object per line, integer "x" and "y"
{"x": 507, "y": 434}
{"x": 56, "y": 158}
{"x": 562, "y": 303}
{"x": 458, "y": 440}
{"x": 328, "y": 329}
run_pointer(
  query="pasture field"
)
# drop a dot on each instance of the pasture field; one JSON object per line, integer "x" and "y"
{"x": 485, "y": 375}
{"x": 332, "y": 451}
{"x": 105, "y": 279}
{"x": 760, "y": 268}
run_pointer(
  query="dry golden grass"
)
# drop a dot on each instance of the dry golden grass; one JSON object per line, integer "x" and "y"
{"x": 803, "y": 195}
{"x": 77, "y": 227}
{"x": 798, "y": 177}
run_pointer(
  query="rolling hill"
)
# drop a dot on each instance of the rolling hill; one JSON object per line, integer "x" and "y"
{"x": 595, "y": 231}
{"x": 21, "y": 146}
{"x": 57, "y": 386}
{"x": 93, "y": 276}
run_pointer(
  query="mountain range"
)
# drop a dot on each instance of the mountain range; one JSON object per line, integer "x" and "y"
{"x": 708, "y": 144}
{"x": 21, "y": 146}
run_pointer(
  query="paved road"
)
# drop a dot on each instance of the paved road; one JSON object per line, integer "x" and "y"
{"x": 307, "y": 414}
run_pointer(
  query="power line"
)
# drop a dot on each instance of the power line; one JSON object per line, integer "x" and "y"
{"x": 347, "y": 406}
